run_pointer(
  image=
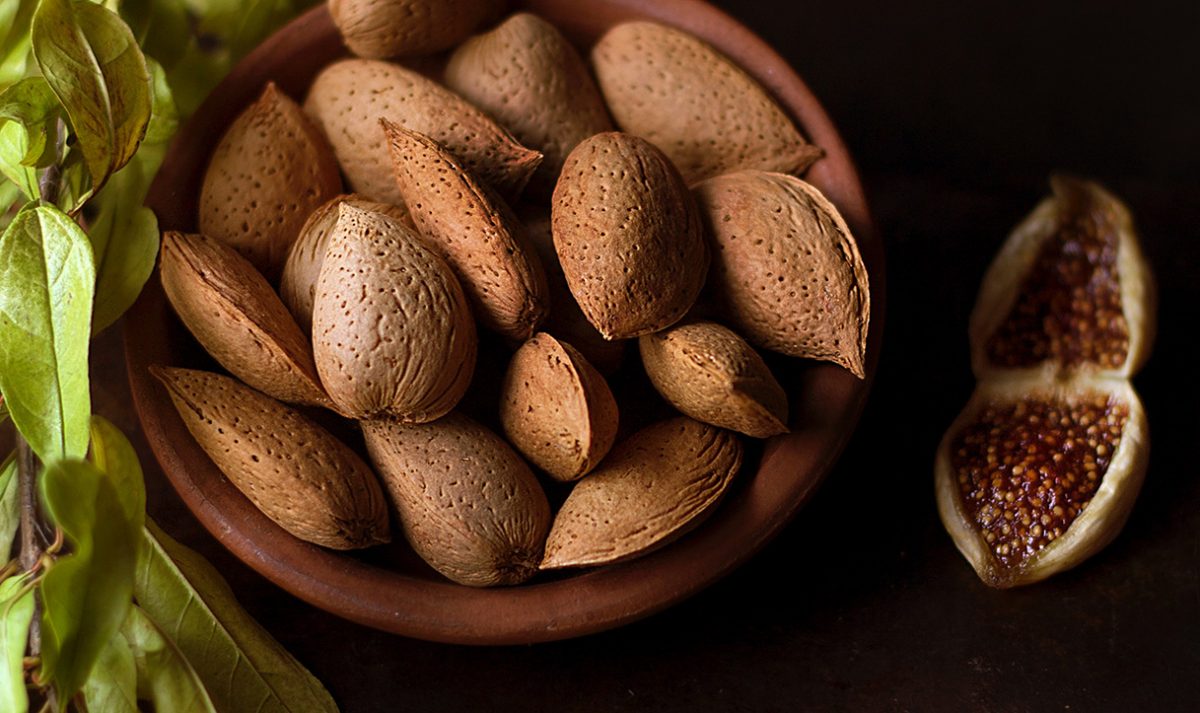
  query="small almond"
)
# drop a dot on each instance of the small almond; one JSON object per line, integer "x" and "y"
{"x": 404, "y": 28}
{"x": 474, "y": 231}
{"x": 529, "y": 77}
{"x": 628, "y": 236}
{"x": 707, "y": 114}
{"x": 295, "y": 472}
{"x": 270, "y": 170}
{"x": 557, "y": 409}
{"x": 348, "y": 98}
{"x": 653, "y": 488}
{"x": 299, "y": 282}
{"x": 468, "y": 504}
{"x": 711, "y": 374}
{"x": 235, "y": 315}
{"x": 785, "y": 267}
{"x": 392, "y": 332}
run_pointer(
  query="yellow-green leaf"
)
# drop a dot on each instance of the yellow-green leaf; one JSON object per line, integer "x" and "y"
{"x": 14, "y": 145}
{"x": 164, "y": 677}
{"x": 31, "y": 104}
{"x": 112, "y": 685}
{"x": 14, "y": 39}
{"x": 113, "y": 455}
{"x": 10, "y": 513}
{"x": 16, "y": 612}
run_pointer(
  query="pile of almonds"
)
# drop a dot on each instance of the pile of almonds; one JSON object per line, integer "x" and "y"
{"x": 364, "y": 258}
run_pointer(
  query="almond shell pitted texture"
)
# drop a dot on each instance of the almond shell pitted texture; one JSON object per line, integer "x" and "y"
{"x": 232, "y": 311}
{"x": 269, "y": 171}
{"x": 628, "y": 236}
{"x": 1073, "y": 200}
{"x": 468, "y": 504}
{"x": 707, "y": 114}
{"x": 294, "y": 471}
{"x": 786, "y": 269}
{"x": 557, "y": 409}
{"x": 348, "y": 98}
{"x": 392, "y": 332}
{"x": 529, "y": 77}
{"x": 711, "y": 374}
{"x": 404, "y": 28}
{"x": 298, "y": 284}
{"x": 474, "y": 230}
{"x": 652, "y": 488}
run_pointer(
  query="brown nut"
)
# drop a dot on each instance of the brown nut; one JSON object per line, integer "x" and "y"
{"x": 403, "y": 28}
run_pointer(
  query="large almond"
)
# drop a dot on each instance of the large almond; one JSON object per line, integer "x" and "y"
{"x": 294, "y": 471}
{"x": 654, "y": 487}
{"x": 707, "y": 114}
{"x": 529, "y": 77}
{"x": 711, "y": 374}
{"x": 468, "y": 504}
{"x": 786, "y": 269}
{"x": 298, "y": 285}
{"x": 348, "y": 99}
{"x": 628, "y": 236}
{"x": 557, "y": 409}
{"x": 474, "y": 230}
{"x": 404, "y": 28}
{"x": 270, "y": 170}
{"x": 235, "y": 315}
{"x": 392, "y": 332}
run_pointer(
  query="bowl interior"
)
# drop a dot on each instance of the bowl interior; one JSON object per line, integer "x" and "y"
{"x": 390, "y": 588}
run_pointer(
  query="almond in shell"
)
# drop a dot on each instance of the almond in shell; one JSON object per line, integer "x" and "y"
{"x": 711, "y": 374}
{"x": 529, "y": 77}
{"x": 235, "y": 315}
{"x": 473, "y": 230}
{"x": 468, "y": 504}
{"x": 392, "y": 332}
{"x": 786, "y": 269}
{"x": 557, "y": 409}
{"x": 270, "y": 170}
{"x": 348, "y": 98}
{"x": 700, "y": 108}
{"x": 653, "y": 488}
{"x": 298, "y": 284}
{"x": 295, "y": 472}
{"x": 628, "y": 236}
{"x": 404, "y": 28}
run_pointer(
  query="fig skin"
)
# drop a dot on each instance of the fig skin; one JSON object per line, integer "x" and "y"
{"x": 1100, "y": 520}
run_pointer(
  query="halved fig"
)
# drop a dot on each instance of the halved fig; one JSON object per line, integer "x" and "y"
{"x": 1069, "y": 291}
{"x": 1036, "y": 475}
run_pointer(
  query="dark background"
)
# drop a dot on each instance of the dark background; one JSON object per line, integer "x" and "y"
{"x": 956, "y": 113}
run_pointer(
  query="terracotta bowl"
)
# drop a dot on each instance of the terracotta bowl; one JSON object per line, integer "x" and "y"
{"x": 390, "y": 588}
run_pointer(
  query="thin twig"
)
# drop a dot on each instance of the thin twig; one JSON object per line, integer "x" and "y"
{"x": 31, "y": 541}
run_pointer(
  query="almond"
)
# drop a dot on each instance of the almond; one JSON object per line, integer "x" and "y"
{"x": 711, "y": 374}
{"x": 557, "y": 409}
{"x": 700, "y": 108}
{"x": 403, "y": 28}
{"x": 654, "y": 487}
{"x": 235, "y": 315}
{"x": 786, "y": 268}
{"x": 270, "y": 170}
{"x": 628, "y": 236}
{"x": 303, "y": 266}
{"x": 348, "y": 99}
{"x": 468, "y": 504}
{"x": 473, "y": 230}
{"x": 295, "y": 472}
{"x": 527, "y": 76}
{"x": 392, "y": 332}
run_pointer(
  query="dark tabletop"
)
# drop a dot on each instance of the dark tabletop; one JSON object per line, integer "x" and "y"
{"x": 956, "y": 113}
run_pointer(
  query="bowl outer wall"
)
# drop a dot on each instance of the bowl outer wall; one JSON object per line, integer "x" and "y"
{"x": 826, "y": 404}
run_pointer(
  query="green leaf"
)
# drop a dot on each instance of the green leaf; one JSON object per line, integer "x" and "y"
{"x": 14, "y": 145}
{"x": 165, "y": 678}
{"x": 161, "y": 27}
{"x": 16, "y": 613}
{"x": 47, "y": 278}
{"x": 92, "y": 62}
{"x": 30, "y": 103}
{"x": 112, "y": 685}
{"x": 75, "y": 182}
{"x": 14, "y": 42}
{"x": 10, "y": 504}
{"x": 113, "y": 455}
{"x": 242, "y": 667}
{"x": 9, "y": 195}
{"x": 85, "y": 595}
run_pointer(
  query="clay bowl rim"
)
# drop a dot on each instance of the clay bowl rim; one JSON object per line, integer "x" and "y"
{"x": 593, "y": 600}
